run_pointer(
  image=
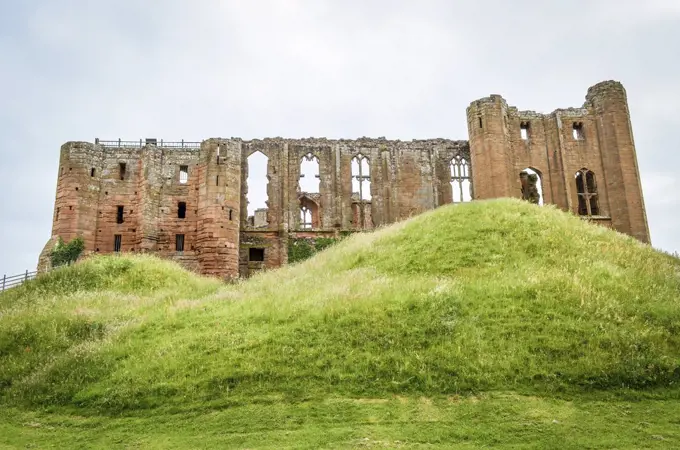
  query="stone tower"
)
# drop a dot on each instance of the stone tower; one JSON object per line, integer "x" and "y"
{"x": 77, "y": 197}
{"x": 609, "y": 104}
{"x": 490, "y": 150}
{"x": 219, "y": 212}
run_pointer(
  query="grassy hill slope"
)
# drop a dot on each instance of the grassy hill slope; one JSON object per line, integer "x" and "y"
{"x": 501, "y": 317}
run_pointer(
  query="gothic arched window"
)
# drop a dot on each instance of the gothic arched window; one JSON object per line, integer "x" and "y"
{"x": 361, "y": 177}
{"x": 461, "y": 186}
{"x": 586, "y": 190}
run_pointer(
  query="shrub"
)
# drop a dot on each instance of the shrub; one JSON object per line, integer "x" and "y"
{"x": 63, "y": 254}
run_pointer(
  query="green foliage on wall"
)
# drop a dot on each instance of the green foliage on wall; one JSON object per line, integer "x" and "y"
{"x": 63, "y": 254}
{"x": 300, "y": 249}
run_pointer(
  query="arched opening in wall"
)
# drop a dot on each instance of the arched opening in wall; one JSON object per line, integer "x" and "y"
{"x": 309, "y": 174}
{"x": 461, "y": 185}
{"x": 531, "y": 185}
{"x": 256, "y": 189}
{"x": 361, "y": 177}
{"x": 586, "y": 190}
{"x": 361, "y": 192}
{"x": 309, "y": 213}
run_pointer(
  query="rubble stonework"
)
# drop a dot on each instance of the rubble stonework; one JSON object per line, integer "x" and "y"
{"x": 208, "y": 181}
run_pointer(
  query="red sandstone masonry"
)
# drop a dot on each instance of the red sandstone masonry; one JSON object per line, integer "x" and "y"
{"x": 407, "y": 178}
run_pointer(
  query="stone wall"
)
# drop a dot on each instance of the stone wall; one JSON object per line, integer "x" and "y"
{"x": 597, "y": 137}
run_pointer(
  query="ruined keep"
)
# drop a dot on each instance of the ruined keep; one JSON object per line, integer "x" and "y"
{"x": 188, "y": 201}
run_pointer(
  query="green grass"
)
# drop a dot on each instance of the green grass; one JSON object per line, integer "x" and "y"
{"x": 494, "y": 323}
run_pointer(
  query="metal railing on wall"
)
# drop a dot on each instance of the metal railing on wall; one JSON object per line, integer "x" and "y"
{"x": 16, "y": 280}
{"x": 189, "y": 145}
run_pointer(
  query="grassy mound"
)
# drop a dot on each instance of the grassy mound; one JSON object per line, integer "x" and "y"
{"x": 487, "y": 296}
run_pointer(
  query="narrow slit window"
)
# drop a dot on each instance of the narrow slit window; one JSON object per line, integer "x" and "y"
{"x": 57, "y": 217}
{"x": 117, "y": 242}
{"x": 578, "y": 131}
{"x": 256, "y": 254}
{"x": 119, "y": 214}
{"x": 183, "y": 174}
{"x": 217, "y": 180}
{"x": 92, "y": 172}
{"x": 524, "y": 131}
{"x": 121, "y": 170}
{"x": 181, "y": 210}
{"x": 179, "y": 242}
{"x": 230, "y": 214}
{"x": 480, "y": 122}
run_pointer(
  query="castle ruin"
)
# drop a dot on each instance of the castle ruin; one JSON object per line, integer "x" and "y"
{"x": 188, "y": 201}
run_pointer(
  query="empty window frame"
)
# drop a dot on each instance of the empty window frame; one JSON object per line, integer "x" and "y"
{"x": 257, "y": 188}
{"x": 179, "y": 242}
{"x": 586, "y": 190}
{"x": 309, "y": 174}
{"x": 305, "y": 218}
{"x": 255, "y": 254}
{"x": 117, "y": 242}
{"x": 181, "y": 210}
{"x": 183, "y": 174}
{"x": 122, "y": 170}
{"x": 361, "y": 177}
{"x": 119, "y": 214}
{"x": 92, "y": 172}
{"x": 524, "y": 131}
{"x": 461, "y": 184}
{"x": 577, "y": 131}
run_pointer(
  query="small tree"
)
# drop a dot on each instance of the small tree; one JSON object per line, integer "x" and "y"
{"x": 67, "y": 253}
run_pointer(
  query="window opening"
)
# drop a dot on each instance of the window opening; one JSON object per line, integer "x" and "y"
{"x": 578, "y": 131}
{"x": 256, "y": 189}
{"x": 230, "y": 214}
{"x": 119, "y": 214}
{"x": 217, "y": 180}
{"x": 92, "y": 172}
{"x": 183, "y": 174}
{"x": 305, "y": 218}
{"x": 57, "y": 218}
{"x": 524, "y": 131}
{"x": 181, "y": 210}
{"x": 255, "y": 254}
{"x": 480, "y": 122}
{"x": 117, "y": 242}
{"x": 121, "y": 170}
{"x": 361, "y": 177}
{"x": 531, "y": 186}
{"x": 179, "y": 242}
{"x": 461, "y": 185}
{"x": 586, "y": 190}
{"x": 309, "y": 174}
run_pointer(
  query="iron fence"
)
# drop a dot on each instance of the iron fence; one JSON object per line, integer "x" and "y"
{"x": 189, "y": 145}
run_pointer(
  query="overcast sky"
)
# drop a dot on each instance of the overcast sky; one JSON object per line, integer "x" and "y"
{"x": 76, "y": 70}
